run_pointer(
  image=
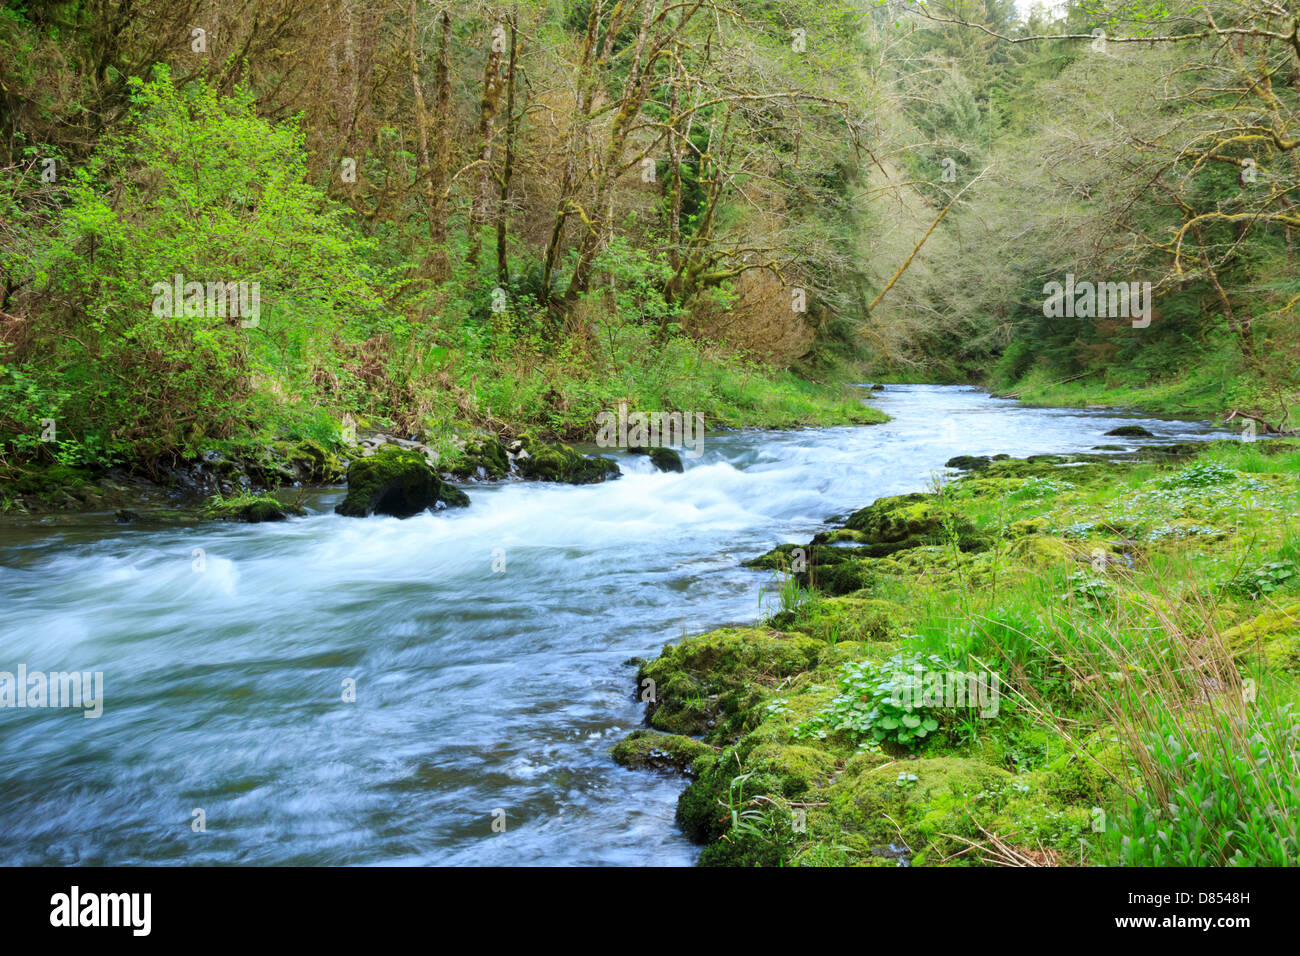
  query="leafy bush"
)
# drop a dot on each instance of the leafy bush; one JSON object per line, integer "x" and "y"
{"x": 880, "y": 702}
{"x": 1255, "y": 583}
{"x": 1225, "y": 806}
{"x": 1207, "y": 474}
{"x": 197, "y": 185}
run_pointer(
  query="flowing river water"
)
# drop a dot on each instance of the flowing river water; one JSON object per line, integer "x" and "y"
{"x": 477, "y": 690}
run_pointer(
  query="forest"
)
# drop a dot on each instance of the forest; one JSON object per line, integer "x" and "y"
{"x": 1008, "y": 290}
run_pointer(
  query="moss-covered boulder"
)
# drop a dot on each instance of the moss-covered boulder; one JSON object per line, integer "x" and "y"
{"x": 707, "y": 684}
{"x": 311, "y": 461}
{"x": 969, "y": 462}
{"x": 1273, "y": 635}
{"x": 252, "y": 509}
{"x": 875, "y": 798}
{"x": 912, "y": 521}
{"x": 1129, "y": 431}
{"x": 854, "y": 617}
{"x": 665, "y": 459}
{"x": 543, "y": 462}
{"x": 484, "y": 459}
{"x": 398, "y": 482}
{"x": 1040, "y": 551}
{"x": 651, "y": 750}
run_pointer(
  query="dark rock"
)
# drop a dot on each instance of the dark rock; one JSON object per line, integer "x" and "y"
{"x": 483, "y": 459}
{"x": 969, "y": 462}
{"x": 125, "y": 516}
{"x": 537, "y": 460}
{"x": 1129, "y": 431}
{"x": 449, "y": 496}
{"x": 398, "y": 482}
{"x": 665, "y": 459}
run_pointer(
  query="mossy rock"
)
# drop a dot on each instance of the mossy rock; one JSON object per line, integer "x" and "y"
{"x": 252, "y": 509}
{"x": 1077, "y": 469}
{"x": 910, "y": 521}
{"x": 452, "y": 497}
{"x": 485, "y": 458}
{"x": 1040, "y": 551}
{"x": 708, "y": 683}
{"x": 855, "y": 617}
{"x": 1274, "y": 635}
{"x": 870, "y": 803}
{"x": 1177, "y": 451}
{"x": 665, "y": 459}
{"x": 969, "y": 462}
{"x": 780, "y": 558}
{"x": 650, "y": 750}
{"x": 328, "y": 467}
{"x": 398, "y": 482}
{"x": 800, "y": 769}
{"x": 1130, "y": 431}
{"x": 1026, "y": 527}
{"x": 312, "y": 461}
{"x": 561, "y": 463}
{"x": 725, "y": 781}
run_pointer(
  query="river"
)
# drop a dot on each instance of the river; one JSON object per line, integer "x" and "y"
{"x": 481, "y": 693}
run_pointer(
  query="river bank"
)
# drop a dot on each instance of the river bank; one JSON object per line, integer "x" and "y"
{"x": 1065, "y": 660}
{"x": 219, "y": 479}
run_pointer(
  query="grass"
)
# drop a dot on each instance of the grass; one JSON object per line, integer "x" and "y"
{"x": 1146, "y": 647}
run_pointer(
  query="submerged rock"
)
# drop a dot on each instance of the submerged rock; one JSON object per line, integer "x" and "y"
{"x": 1129, "y": 431}
{"x": 969, "y": 462}
{"x": 252, "y": 509}
{"x": 665, "y": 459}
{"x": 396, "y": 481}
{"x": 651, "y": 750}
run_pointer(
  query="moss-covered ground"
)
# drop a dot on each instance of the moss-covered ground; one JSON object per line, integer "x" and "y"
{"x": 1062, "y": 661}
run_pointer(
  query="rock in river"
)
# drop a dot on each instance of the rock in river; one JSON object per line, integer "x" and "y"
{"x": 398, "y": 482}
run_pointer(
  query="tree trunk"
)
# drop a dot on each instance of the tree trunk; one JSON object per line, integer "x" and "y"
{"x": 507, "y": 168}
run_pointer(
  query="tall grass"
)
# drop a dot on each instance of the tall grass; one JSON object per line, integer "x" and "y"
{"x": 1214, "y": 772}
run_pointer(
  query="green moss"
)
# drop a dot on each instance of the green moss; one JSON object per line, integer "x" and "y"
{"x": 249, "y": 508}
{"x": 561, "y": 463}
{"x": 708, "y": 683}
{"x": 395, "y": 481}
{"x": 483, "y": 458}
{"x": 315, "y": 462}
{"x": 1040, "y": 551}
{"x": 910, "y": 521}
{"x": 855, "y": 617}
{"x": 1026, "y": 527}
{"x": 649, "y": 750}
{"x": 873, "y": 806}
{"x": 1273, "y": 635}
